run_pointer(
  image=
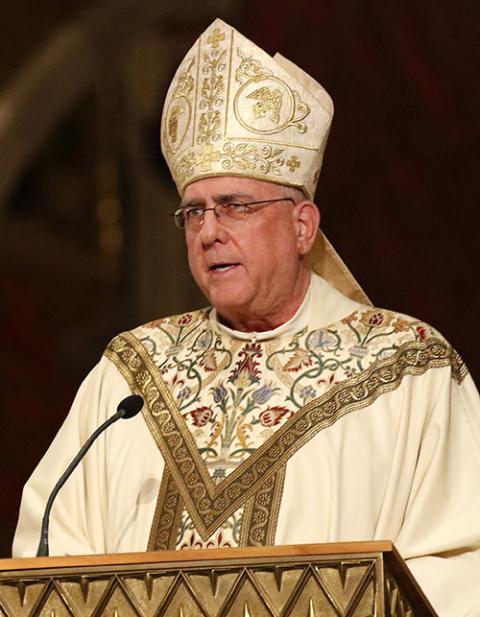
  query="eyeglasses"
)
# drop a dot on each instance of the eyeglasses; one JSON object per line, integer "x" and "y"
{"x": 229, "y": 213}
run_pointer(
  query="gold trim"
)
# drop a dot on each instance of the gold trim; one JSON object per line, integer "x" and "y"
{"x": 237, "y": 157}
{"x": 167, "y": 516}
{"x": 197, "y": 85}
{"x": 272, "y": 141}
{"x": 211, "y": 104}
{"x": 209, "y": 505}
{"x": 261, "y": 513}
{"x": 230, "y": 64}
{"x": 459, "y": 368}
{"x": 259, "y": 520}
{"x": 246, "y": 521}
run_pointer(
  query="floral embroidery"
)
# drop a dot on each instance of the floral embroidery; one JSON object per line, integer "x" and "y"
{"x": 376, "y": 319}
{"x": 263, "y": 394}
{"x": 226, "y": 537}
{"x": 220, "y": 393}
{"x": 422, "y": 332}
{"x": 232, "y": 401}
{"x": 274, "y": 415}
{"x": 299, "y": 359}
{"x": 184, "y": 320}
{"x": 194, "y": 541}
{"x": 307, "y": 393}
{"x": 183, "y": 394}
{"x": 246, "y": 370}
{"x": 209, "y": 361}
{"x": 401, "y": 325}
{"x": 235, "y": 395}
{"x": 200, "y": 416}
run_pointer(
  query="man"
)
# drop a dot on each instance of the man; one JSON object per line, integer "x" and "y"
{"x": 289, "y": 412}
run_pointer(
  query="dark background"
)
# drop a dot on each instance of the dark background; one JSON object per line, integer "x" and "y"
{"x": 399, "y": 191}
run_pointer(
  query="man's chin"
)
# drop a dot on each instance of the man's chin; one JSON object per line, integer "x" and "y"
{"x": 229, "y": 304}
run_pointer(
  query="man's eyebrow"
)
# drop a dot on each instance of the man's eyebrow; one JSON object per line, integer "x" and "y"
{"x": 221, "y": 198}
{"x": 224, "y": 198}
{"x": 192, "y": 203}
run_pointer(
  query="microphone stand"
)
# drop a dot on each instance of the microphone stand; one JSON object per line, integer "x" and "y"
{"x": 128, "y": 408}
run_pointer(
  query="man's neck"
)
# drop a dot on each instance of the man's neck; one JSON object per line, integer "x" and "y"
{"x": 268, "y": 320}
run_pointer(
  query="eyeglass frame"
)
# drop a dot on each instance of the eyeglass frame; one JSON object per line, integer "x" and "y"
{"x": 183, "y": 224}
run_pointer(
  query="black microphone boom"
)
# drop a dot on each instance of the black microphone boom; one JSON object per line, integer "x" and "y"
{"x": 127, "y": 408}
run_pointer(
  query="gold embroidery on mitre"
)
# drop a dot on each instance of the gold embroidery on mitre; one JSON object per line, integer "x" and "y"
{"x": 268, "y": 101}
{"x": 179, "y": 113}
{"x": 207, "y": 157}
{"x": 173, "y": 122}
{"x": 216, "y": 37}
{"x": 234, "y": 110}
{"x": 264, "y": 103}
{"x": 266, "y": 159}
{"x": 212, "y": 91}
{"x": 234, "y": 158}
{"x": 293, "y": 163}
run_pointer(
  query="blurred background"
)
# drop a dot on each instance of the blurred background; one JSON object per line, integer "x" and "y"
{"x": 87, "y": 248}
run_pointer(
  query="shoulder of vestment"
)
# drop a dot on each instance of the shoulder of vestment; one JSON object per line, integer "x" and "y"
{"x": 166, "y": 333}
{"x": 389, "y": 330}
{"x": 370, "y": 334}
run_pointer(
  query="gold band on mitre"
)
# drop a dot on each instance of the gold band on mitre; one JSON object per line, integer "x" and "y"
{"x": 233, "y": 110}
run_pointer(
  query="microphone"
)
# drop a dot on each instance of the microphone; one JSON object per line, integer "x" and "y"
{"x": 128, "y": 408}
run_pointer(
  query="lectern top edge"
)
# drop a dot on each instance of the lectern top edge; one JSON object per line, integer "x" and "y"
{"x": 338, "y": 548}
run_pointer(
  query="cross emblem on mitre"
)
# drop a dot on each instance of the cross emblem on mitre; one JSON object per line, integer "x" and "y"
{"x": 293, "y": 163}
{"x": 215, "y": 38}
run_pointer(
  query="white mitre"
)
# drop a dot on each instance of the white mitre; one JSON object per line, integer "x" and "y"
{"x": 233, "y": 110}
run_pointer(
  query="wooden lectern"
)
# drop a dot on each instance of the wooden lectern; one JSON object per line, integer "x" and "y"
{"x": 357, "y": 579}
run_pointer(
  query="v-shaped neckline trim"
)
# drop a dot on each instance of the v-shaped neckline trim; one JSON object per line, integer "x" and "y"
{"x": 209, "y": 504}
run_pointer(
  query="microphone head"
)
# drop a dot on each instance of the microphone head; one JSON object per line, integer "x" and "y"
{"x": 130, "y": 406}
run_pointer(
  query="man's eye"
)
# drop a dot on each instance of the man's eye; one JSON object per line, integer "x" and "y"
{"x": 234, "y": 208}
{"x": 192, "y": 213}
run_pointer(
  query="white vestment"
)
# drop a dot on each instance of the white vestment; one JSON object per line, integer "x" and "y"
{"x": 353, "y": 423}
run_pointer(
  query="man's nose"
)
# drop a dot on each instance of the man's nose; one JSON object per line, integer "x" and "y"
{"x": 211, "y": 228}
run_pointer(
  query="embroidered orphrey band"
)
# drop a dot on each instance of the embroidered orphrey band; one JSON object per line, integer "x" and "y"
{"x": 259, "y": 520}
{"x": 168, "y": 512}
{"x": 210, "y": 505}
{"x": 261, "y": 512}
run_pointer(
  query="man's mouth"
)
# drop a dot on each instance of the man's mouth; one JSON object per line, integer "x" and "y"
{"x": 222, "y": 267}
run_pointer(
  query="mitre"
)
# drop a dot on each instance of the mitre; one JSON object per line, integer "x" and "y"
{"x": 234, "y": 110}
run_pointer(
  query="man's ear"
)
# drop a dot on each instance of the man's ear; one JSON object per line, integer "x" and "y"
{"x": 308, "y": 222}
